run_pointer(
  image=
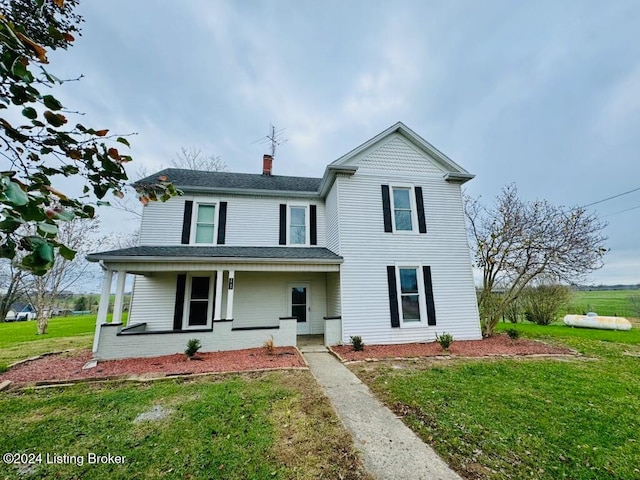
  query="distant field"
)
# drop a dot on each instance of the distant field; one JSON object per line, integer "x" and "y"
{"x": 609, "y": 302}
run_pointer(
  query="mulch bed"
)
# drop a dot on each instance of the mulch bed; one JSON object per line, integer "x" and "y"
{"x": 493, "y": 346}
{"x": 68, "y": 366}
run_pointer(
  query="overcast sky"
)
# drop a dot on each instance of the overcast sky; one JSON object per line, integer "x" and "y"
{"x": 545, "y": 94}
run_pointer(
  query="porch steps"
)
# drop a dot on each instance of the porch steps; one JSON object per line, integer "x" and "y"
{"x": 313, "y": 349}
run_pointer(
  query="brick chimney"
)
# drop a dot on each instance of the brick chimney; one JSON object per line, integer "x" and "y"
{"x": 267, "y": 163}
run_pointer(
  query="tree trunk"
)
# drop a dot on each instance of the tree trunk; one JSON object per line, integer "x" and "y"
{"x": 489, "y": 326}
{"x": 43, "y": 323}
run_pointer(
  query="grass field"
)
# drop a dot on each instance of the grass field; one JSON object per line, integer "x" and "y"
{"x": 572, "y": 418}
{"x": 19, "y": 340}
{"x": 275, "y": 425}
{"x": 603, "y": 302}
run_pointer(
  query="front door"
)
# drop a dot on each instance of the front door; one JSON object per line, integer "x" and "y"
{"x": 300, "y": 306}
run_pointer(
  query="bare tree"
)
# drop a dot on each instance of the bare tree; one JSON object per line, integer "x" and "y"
{"x": 129, "y": 203}
{"x": 118, "y": 240}
{"x": 517, "y": 242}
{"x": 193, "y": 159}
{"x": 79, "y": 234}
{"x": 187, "y": 158}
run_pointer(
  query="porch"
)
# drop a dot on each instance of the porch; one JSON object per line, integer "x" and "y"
{"x": 228, "y": 304}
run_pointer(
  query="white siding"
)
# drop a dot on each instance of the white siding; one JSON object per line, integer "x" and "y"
{"x": 262, "y": 298}
{"x": 395, "y": 154}
{"x": 162, "y": 222}
{"x": 153, "y": 301}
{"x": 368, "y": 250}
{"x": 251, "y": 221}
{"x": 333, "y": 217}
{"x": 333, "y": 295}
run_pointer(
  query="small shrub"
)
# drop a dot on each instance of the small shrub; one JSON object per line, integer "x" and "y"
{"x": 357, "y": 343}
{"x": 3, "y": 368}
{"x": 445, "y": 340}
{"x": 193, "y": 345}
{"x": 513, "y": 333}
{"x": 269, "y": 346}
{"x": 542, "y": 304}
{"x": 513, "y": 311}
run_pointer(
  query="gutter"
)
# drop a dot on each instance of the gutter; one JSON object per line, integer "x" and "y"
{"x": 456, "y": 177}
{"x": 250, "y": 192}
{"x": 142, "y": 259}
{"x": 330, "y": 176}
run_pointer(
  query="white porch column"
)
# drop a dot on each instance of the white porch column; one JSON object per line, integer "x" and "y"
{"x": 119, "y": 301}
{"x": 103, "y": 306}
{"x": 217, "y": 311}
{"x": 230, "y": 289}
{"x": 105, "y": 294}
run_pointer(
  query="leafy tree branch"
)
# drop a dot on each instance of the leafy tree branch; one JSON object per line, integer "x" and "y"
{"x": 41, "y": 143}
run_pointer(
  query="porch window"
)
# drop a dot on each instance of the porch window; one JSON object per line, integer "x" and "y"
{"x": 205, "y": 223}
{"x": 409, "y": 295}
{"x": 297, "y": 225}
{"x": 199, "y": 303}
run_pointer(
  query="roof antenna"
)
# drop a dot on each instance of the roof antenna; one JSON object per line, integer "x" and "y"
{"x": 274, "y": 138}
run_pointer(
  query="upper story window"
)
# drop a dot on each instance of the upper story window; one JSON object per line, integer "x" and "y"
{"x": 402, "y": 211}
{"x": 297, "y": 225}
{"x": 205, "y": 223}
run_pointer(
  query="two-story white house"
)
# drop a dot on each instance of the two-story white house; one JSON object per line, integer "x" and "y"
{"x": 376, "y": 247}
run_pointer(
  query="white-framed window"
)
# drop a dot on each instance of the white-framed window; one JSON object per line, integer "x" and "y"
{"x": 204, "y": 224}
{"x": 403, "y": 209}
{"x": 298, "y": 225}
{"x": 198, "y": 304}
{"x": 411, "y": 296}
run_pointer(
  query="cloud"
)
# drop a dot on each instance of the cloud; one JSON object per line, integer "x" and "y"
{"x": 620, "y": 113}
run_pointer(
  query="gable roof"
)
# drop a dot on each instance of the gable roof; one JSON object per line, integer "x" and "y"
{"x": 20, "y": 307}
{"x": 198, "y": 181}
{"x": 227, "y": 182}
{"x": 454, "y": 172}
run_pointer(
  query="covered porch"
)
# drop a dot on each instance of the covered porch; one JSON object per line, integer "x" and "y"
{"x": 228, "y": 297}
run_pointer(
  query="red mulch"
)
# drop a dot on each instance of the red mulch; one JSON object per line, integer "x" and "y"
{"x": 68, "y": 366}
{"x": 492, "y": 346}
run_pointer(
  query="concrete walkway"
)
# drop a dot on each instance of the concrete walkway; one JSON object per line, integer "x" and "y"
{"x": 390, "y": 450}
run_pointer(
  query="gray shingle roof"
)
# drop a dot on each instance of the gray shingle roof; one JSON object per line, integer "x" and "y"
{"x": 191, "y": 180}
{"x": 224, "y": 252}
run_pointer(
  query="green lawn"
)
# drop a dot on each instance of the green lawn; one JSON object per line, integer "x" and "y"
{"x": 572, "y": 418}
{"x": 275, "y": 425}
{"x": 603, "y": 302}
{"x": 19, "y": 340}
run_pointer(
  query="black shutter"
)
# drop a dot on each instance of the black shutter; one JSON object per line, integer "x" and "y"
{"x": 313, "y": 224}
{"x": 393, "y": 297}
{"x": 222, "y": 222}
{"x": 386, "y": 208}
{"x": 422, "y": 223}
{"x": 283, "y": 224}
{"x": 179, "y": 307}
{"x": 428, "y": 289}
{"x": 186, "y": 221}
